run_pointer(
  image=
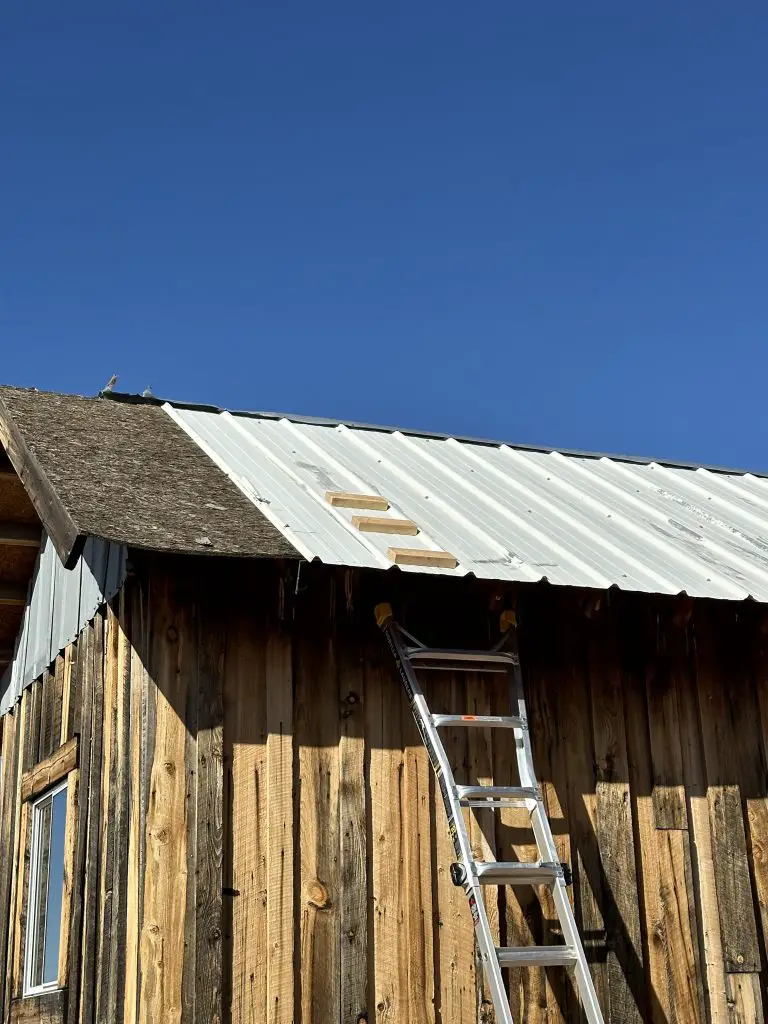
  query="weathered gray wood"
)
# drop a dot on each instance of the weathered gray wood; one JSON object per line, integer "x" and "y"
{"x": 540, "y": 658}
{"x": 84, "y": 923}
{"x": 184, "y": 608}
{"x": 352, "y": 829}
{"x": 668, "y": 789}
{"x": 50, "y": 1008}
{"x": 581, "y": 796}
{"x": 105, "y": 1010}
{"x": 729, "y": 845}
{"x": 32, "y": 732}
{"x": 47, "y": 743}
{"x": 210, "y": 814}
{"x": 117, "y": 949}
{"x": 21, "y": 714}
{"x": 57, "y": 695}
{"x": 10, "y": 751}
{"x": 317, "y": 738}
{"x": 626, "y": 983}
{"x": 705, "y": 953}
{"x": 280, "y": 807}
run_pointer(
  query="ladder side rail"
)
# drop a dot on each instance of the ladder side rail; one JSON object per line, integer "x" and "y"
{"x": 545, "y": 842}
{"x": 524, "y": 751}
{"x": 456, "y": 825}
{"x": 586, "y": 985}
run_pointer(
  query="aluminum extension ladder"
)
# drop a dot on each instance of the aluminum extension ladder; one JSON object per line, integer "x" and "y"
{"x": 468, "y": 873}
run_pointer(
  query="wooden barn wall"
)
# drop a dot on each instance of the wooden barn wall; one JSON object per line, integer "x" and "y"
{"x": 259, "y": 837}
{"x": 83, "y": 695}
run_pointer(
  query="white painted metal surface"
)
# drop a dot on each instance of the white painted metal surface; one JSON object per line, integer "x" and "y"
{"x": 505, "y": 513}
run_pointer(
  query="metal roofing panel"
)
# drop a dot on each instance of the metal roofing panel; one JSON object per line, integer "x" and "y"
{"x": 505, "y": 513}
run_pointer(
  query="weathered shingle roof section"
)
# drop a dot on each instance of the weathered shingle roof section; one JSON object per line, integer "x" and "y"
{"x": 126, "y": 473}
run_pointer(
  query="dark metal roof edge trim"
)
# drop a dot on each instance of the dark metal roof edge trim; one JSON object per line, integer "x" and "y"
{"x": 323, "y": 421}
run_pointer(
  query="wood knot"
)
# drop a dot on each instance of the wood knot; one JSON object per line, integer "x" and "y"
{"x": 170, "y": 767}
{"x": 215, "y": 934}
{"x": 162, "y": 835}
{"x": 317, "y": 895}
{"x": 153, "y": 929}
{"x": 172, "y": 634}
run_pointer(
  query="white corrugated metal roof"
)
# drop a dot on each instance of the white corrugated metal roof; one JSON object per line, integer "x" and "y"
{"x": 506, "y": 513}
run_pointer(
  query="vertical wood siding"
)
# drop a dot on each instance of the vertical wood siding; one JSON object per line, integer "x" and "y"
{"x": 259, "y": 839}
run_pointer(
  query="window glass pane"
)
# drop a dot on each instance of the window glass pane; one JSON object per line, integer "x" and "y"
{"x": 49, "y": 817}
{"x": 37, "y": 934}
{"x": 55, "y": 888}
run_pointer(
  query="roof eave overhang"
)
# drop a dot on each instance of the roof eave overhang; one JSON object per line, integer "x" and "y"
{"x": 58, "y": 523}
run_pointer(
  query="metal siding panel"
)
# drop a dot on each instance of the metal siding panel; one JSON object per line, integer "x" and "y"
{"x": 91, "y": 597}
{"x": 61, "y": 602}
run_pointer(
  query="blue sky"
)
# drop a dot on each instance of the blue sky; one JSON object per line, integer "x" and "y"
{"x": 543, "y": 222}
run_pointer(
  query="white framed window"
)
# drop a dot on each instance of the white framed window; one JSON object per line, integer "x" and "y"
{"x": 48, "y": 823}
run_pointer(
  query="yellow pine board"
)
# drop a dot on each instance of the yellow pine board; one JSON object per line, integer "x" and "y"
{"x": 420, "y": 556}
{"x": 380, "y": 524}
{"x": 347, "y": 499}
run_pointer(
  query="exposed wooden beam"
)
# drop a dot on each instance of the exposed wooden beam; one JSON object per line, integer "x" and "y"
{"x": 52, "y": 770}
{"x": 20, "y": 535}
{"x": 12, "y": 594}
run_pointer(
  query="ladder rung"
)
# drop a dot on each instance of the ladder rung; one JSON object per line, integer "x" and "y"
{"x": 448, "y": 658}
{"x": 481, "y": 721}
{"x": 513, "y": 873}
{"x": 536, "y": 956}
{"x": 516, "y": 794}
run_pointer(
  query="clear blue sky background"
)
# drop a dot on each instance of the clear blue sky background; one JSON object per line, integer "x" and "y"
{"x": 541, "y": 222}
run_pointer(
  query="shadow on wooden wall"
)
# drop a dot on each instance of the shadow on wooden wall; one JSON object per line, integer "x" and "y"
{"x": 329, "y": 847}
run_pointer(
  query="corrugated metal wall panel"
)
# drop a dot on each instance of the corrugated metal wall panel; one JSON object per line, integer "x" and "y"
{"x": 61, "y": 602}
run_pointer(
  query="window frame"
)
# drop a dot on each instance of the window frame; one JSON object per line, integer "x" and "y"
{"x": 60, "y": 770}
{"x": 35, "y": 890}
